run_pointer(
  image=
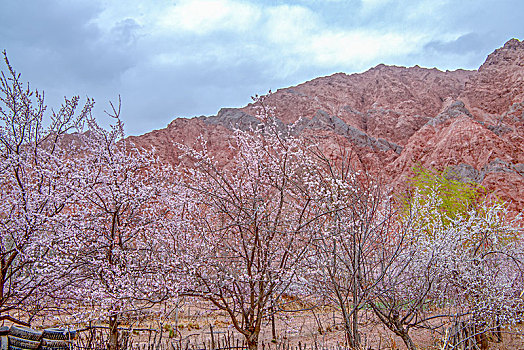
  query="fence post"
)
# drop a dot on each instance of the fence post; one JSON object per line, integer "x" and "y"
{"x": 212, "y": 337}
{"x": 113, "y": 332}
{"x": 273, "y": 328}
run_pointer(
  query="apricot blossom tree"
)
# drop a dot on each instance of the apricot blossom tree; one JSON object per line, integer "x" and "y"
{"x": 34, "y": 192}
{"x": 117, "y": 211}
{"x": 82, "y": 211}
{"x": 359, "y": 217}
{"x": 462, "y": 266}
{"x": 250, "y": 223}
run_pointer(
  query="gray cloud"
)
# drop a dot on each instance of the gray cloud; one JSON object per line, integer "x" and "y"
{"x": 467, "y": 43}
{"x": 125, "y": 32}
{"x": 159, "y": 93}
{"x": 58, "y": 48}
{"x": 105, "y": 48}
{"x": 49, "y": 24}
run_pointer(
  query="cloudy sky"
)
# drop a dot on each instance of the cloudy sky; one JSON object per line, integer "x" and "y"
{"x": 187, "y": 58}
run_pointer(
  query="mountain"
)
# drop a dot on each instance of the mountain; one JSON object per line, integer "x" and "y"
{"x": 393, "y": 118}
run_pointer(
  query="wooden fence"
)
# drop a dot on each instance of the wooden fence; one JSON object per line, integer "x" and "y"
{"x": 95, "y": 338}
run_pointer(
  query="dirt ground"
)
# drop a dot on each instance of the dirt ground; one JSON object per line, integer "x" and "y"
{"x": 197, "y": 321}
{"x": 198, "y": 324}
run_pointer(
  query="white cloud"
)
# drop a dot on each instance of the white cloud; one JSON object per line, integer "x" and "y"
{"x": 427, "y": 10}
{"x": 304, "y": 39}
{"x": 287, "y": 24}
{"x": 205, "y": 16}
{"x": 370, "y": 4}
{"x": 291, "y": 37}
{"x": 359, "y": 47}
{"x": 370, "y": 7}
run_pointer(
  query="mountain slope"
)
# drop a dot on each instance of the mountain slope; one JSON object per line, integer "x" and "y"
{"x": 393, "y": 118}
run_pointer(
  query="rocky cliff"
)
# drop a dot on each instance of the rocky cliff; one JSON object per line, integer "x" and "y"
{"x": 392, "y": 118}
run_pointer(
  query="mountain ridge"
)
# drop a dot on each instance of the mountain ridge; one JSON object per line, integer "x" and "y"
{"x": 393, "y": 118}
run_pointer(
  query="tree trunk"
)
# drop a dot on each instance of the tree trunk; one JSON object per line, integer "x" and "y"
{"x": 349, "y": 334}
{"x": 3, "y": 271}
{"x": 252, "y": 340}
{"x": 113, "y": 343}
{"x": 482, "y": 341}
{"x": 498, "y": 333}
{"x": 407, "y": 340}
{"x": 356, "y": 292}
{"x": 273, "y": 327}
{"x": 356, "y": 336}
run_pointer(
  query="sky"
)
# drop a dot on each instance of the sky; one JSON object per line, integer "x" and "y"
{"x": 186, "y": 58}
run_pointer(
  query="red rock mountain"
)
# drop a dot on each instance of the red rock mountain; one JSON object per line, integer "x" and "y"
{"x": 393, "y": 118}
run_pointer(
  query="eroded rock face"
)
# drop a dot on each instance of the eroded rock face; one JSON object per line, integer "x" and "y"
{"x": 393, "y": 118}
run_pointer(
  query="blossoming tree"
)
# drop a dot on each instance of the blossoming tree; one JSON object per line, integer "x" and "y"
{"x": 250, "y": 223}
{"x": 461, "y": 265}
{"x": 118, "y": 213}
{"x": 34, "y": 190}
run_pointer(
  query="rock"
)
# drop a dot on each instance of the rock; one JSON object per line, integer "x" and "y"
{"x": 233, "y": 118}
{"x": 465, "y": 173}
{"x": 455, "y": 110}
{"x": 500, "y": 129}
{"x": 519, "y": 169}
